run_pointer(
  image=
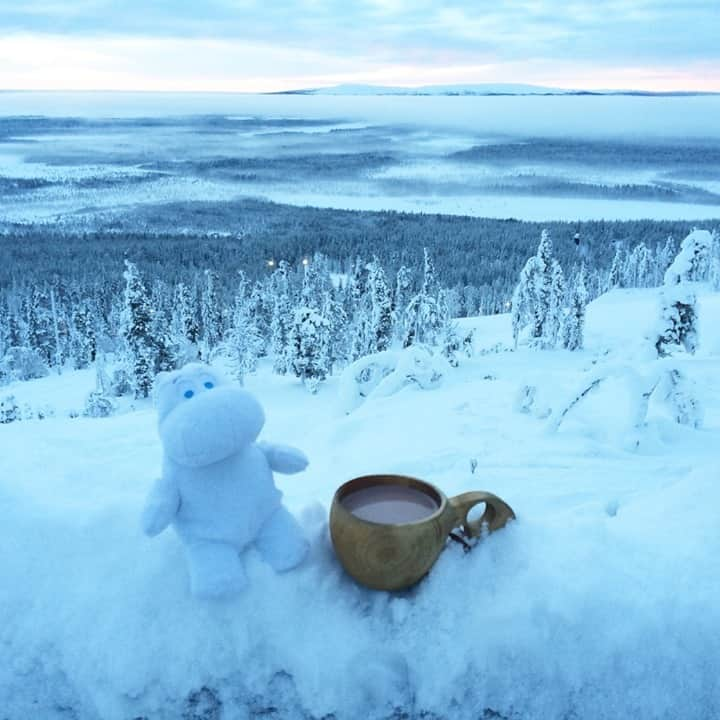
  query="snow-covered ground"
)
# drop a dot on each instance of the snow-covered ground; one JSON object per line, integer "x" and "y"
{"x": 600, "y": 601}
{"x": 519, "y": 207}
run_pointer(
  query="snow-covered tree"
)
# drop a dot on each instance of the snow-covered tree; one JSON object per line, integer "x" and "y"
{"x": 522, "y": 311}
{"x": 714, "y": 269}
{"x": 678, "y": 300}
{"x": 184, "y": 315}
{"x": 39, "y": 325}
{"x": 167, "y": 348}
{"x": 60, "y": 331}
{"x": 538, "y": 297}
{"x": 681, "y": 398}
{"x": 136, "y": 332}
{"x": 693, "y": 261}
{"x": 451, "y": 343}
{"x": 9, "y": 410}
{"x": 663, "y": 259}
{"x": 453, "y": 300}
{"x": 4, "y": 329}
{"x": 359, "y": 311}
{"x": 381, "y": 319}
{"x": 403, "y": 283}
{"x": 573, "y": 328}
{"x": 425, "y": 323}
{"x": 556, "y": 300}
{"x": 244, "y": 342}
{"x": 309, "y": 351}
{"x": 678, "y": 319}
{"x": 98, "y": 405}
{"x": 281, "y": 318}
{"x": 334, "y": 312}
{"x": 22, "y": 363}
{"x": 261, "y": 310}
{"x": 638, "y": 271}
{"x": 316, "y": 281}
{"x": 211, "y": 314}
{"x": 615, "y": 280}
{"x": 83, "y": 342}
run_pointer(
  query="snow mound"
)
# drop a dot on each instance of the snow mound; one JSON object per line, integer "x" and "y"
{"x": 385, "y": 373}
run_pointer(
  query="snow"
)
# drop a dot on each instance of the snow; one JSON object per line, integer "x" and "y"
{"x": 519, "y": 207}
{"x": 385, "y": 373}
{"x": 694, "y": 248}
{"x": 600, "y": 601}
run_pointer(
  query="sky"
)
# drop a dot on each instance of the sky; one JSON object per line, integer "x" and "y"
{"x": 271, "y": 45}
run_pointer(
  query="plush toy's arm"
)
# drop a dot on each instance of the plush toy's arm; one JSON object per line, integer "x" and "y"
{"x": 283, "y": 458}
{"x": 161, "y": 506}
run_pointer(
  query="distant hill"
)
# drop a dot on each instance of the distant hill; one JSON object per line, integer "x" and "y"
{"x": 479, "y": 89}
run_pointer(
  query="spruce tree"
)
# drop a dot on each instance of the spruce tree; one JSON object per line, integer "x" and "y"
{"x": 136, "y": 332}
{"x": 39, "y": 325}
{"x": 281, "y": 319}
{"x": 424, "y": 321}
{"x": 714, "y": 269}
{"x": 543, "y": 293}
{"x": 678, "y": 320}
{"x": 360, "y": 311}
{"x": 380, "y": 325}
{"x": 692, "y": 263}
{"x": 556, "y": 301}
{"x": 260, "y": 306}
{"x": 678, "y": 306}
{"x": 616, "y": 275}
{"x": 244, "y": 339}
{"x": 4, "y": 329}
{"x": 309, "y": 351}
{"x": 538, "y": 297}
{"x": 664, "y": 258}
{"x": 84, "y": 338}
{"x": 403, "y": 284}
{"x": 644, "y": 261}
{"x": 211, "y": 314}
{"x": 184, "y": 315}
{"x": 573, "y": 329}
{"x": 167, "y": 349}
{"x": 334, "y": 312}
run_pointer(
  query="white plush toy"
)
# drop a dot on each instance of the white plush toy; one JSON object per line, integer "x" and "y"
{"x": 217, "y": 486}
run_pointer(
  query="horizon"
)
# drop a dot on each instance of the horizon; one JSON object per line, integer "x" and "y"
{"x": 541, "y": 90}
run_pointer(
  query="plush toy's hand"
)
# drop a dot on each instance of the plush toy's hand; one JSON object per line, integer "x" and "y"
{"x": 160, "y": 509}
{"x": 284, "y": 459}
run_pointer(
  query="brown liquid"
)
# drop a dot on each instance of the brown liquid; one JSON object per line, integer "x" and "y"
{"x": 393, "y": 504}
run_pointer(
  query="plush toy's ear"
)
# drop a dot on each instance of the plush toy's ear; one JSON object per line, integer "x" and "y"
{"x": 160, "y": 379}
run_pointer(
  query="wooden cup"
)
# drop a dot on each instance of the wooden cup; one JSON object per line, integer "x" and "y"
{"x": 386, "y": 556}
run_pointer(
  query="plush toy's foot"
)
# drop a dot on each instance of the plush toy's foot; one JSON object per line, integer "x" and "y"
{"x": 216, "y": 570}
{"x": 281, "y": 541}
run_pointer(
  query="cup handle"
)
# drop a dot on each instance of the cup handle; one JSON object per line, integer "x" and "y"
{"x": 496, "y": 515}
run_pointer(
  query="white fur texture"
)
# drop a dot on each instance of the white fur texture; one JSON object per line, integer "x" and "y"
{"x": 217, "y": 487}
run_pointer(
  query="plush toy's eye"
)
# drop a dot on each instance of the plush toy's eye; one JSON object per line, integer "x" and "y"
{"x": 209, "y": 385}
{"x": 188, "y": 394}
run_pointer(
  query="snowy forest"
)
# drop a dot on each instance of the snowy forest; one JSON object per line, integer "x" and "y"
{"x": 311, "y": 318}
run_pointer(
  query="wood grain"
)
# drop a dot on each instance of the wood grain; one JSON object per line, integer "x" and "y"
{"x": 386, "y": 556}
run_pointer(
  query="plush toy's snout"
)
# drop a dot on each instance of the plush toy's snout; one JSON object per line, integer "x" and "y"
{"x": 210, "y": 426}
